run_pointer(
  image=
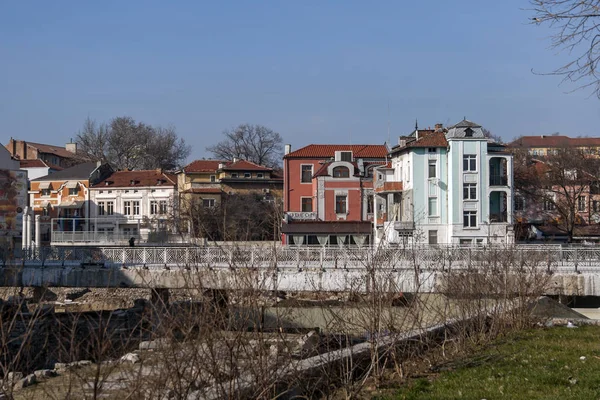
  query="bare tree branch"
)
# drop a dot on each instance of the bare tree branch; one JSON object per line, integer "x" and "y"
{"x": 254, "y": 143}
{"x": 128, "y": 145}
{"x": 577, "y": 31}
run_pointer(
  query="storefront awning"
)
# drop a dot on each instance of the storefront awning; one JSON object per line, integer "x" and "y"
{"x": 44, "y": 185}
{"x": 328, "y": 227}
{"x": 72, "y": 184}
{"x": 71, "y": 204}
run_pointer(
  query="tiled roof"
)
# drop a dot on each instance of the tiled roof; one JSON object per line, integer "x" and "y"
{"x": 57, "y": 150}
{"x": 465, "y": 123}
{"x": 203, "y": 191}
{"x": 328, "y": 150}
{"x": 35, "y": 163}
{"x": 80, "y": 171}
{"x": 426, "y": 139}
{"x": 553, "y": 141}
{"x": 142, "y": 178}
{"x": 203, "y": 166}
{"x": 243, "y": 165}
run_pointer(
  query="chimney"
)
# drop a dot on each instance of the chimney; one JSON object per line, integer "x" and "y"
{"x": 288, "y": 149}
{"x": 235, "y": 159}
{"x": 24, "y": 150}
{"x": 71, "y": 147}
{"x": 221, "y": 165}
{"x": 439, "y": 127}
{"x": 14, "y": 147}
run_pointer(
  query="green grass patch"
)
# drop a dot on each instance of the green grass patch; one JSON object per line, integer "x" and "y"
{"x": 535, "y": 364}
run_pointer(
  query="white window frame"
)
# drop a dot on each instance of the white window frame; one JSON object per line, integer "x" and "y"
{"x": 162, "y": 207}
{"x": 432, "y": 211}
{"x": 213, "y": 178}
{"x": 153, "y": 207}
{"x": 208, "y": 203}
{"x": 335, "y": 199}
{"x": 435, "y": 172}
{"x": 136, "y": 207}
{"x": 101, "y": 210}
{"x": 470, "y": 214}
{"x": 581, "y": 204}
{"x": 470, "y": 158}
{"x": 471, "y": 188}
{"x": 127, "y": 207}
{"x": 110, "y": 208}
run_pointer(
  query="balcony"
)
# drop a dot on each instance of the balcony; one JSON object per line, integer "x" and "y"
{"x": 404, "y": 226}
{"x": 499, "y": 217}
{"x": 388, "y": 187}
{"x": 498, "y": 180}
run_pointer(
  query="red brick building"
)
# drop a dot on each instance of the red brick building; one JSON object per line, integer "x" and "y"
{"x": 328, "y": 194}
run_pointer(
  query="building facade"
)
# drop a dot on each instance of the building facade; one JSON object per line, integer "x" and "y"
{"x": 61, "y": 199}
{"x": 55, "y": 157}
{"x": 328, "y": 193}
{"x": 13, "y": 201}
{"x": 445, "y": 186}
{"x": 544, "y": 145}
{"x": 207, "y": 183}
{"x": 139, "y": 204}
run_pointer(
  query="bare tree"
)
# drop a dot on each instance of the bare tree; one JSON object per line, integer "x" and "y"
{"x": 255, "y": 143}
{"x": 558, "y": 185}
{"x": 129, "y": 145}
{"x": 577, "y": 28}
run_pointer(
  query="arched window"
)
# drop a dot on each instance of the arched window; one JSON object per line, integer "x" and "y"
{"x": 341, "y": 172}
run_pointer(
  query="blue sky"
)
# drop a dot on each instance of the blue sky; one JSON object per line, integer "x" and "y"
{"x": 315, "y": 71}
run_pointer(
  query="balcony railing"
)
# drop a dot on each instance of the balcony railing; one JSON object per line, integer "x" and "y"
{"x": 382, "y": 187}
{"x": 499, "y": 217}
{"x": 498, "y": 180}
{"x": 404, "y": 225}
{"x": 92, "y": 237}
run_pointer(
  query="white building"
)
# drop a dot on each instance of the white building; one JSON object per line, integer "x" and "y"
{"x": 139, "y": 204}
{"x": 445, "y": 186}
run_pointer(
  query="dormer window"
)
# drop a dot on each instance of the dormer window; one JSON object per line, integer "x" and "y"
{"x": 341, "y": 172}
{"x": 247, "y": 175}
{"x": 132, "y": 182}
{"x": 343, "y": 156}
{"x": 468, "y": 132}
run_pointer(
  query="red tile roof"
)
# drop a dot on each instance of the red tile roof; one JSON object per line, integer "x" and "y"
{"x": 203, "y": 191}
{"x": 35, "y": 163}
{"x": 203, "y": 166}
{"x": 51, "y": 149}
{"x": 140, "y": 178}
{"x": 243, "y": 165}
{"x": 328, "y": 150}
{"x": 554, "y": 141}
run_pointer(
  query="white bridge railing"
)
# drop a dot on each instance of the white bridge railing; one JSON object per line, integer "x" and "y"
{"x": 550, "y": 256}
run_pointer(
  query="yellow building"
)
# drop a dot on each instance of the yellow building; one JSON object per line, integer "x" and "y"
{"x": 544, "y": 145}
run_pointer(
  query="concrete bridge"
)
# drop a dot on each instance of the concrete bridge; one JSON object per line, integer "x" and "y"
{"x": 574, "y": 271}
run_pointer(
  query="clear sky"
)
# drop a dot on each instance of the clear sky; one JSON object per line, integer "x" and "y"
{"x": 315, "y": 71}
